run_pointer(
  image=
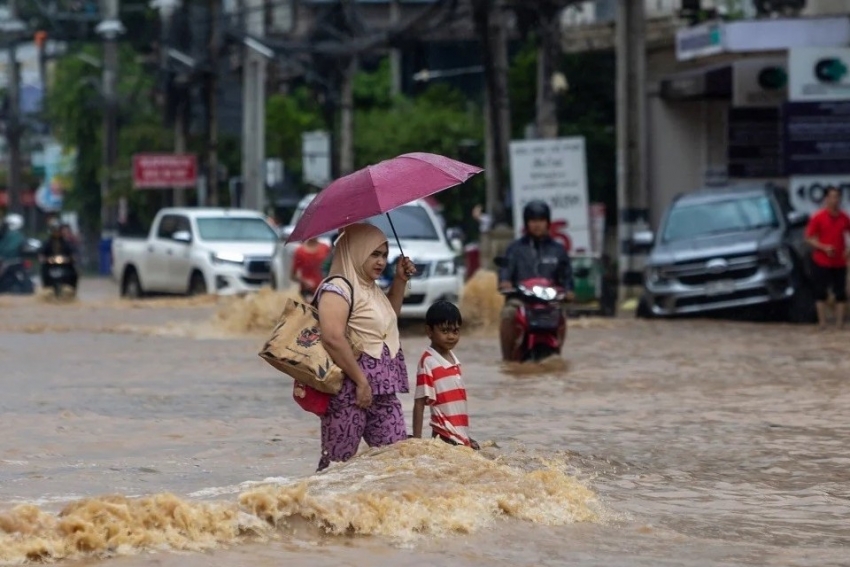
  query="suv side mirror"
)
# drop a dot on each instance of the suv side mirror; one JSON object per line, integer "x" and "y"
{"x": 643, "y": 238}
{"x": 797, "y": 218}
{"x": 182, "y": 236}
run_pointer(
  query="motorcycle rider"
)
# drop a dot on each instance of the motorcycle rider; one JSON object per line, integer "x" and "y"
{"x": 56, "y": 245}
{"x": 535, "y": 254}
{"x": 11, "y": 237}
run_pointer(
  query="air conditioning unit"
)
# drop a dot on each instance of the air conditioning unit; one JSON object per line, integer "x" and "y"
{"x": 663, "y": 8}
{"x": 580, "y": 14}
{"x": 775, "y": 7}
{"x": 280, "y": 16}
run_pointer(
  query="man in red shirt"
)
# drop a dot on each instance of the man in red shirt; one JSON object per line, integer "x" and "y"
{"x": 307, "y": 265}
{"x": 825, "y": 233}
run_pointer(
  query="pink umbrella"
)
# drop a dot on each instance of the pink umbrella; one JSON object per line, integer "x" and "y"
{"x": 378, "y": 189}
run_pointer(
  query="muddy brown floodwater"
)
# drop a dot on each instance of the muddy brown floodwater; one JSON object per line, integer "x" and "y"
{"x": 150, "y": 432}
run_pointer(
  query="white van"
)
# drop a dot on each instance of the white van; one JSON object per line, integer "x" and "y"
{"x": 420, "y": 230}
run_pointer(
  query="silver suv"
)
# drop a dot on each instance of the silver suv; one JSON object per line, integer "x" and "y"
{"x": 725, "y": 249}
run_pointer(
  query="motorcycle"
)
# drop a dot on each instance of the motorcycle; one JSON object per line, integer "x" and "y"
{"x": 60, "y": 273}
{"x": 15, "y": 273}
{"x": 540, "y": 320}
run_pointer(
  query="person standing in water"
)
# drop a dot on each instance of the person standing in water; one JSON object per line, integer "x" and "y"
{"x": 439, "y": 384}
{"x": 307, "y": 265}
{"x": 367, "y": 407}
{"x": 826, "y": 233}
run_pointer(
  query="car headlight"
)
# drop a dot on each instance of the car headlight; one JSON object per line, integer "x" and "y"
{"x": 226, "y": 258}
{"x": 654, "y": 275}
{"x": 444, "y": 267}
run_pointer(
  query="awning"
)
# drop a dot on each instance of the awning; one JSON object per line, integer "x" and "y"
{"x": 710, "y": 82}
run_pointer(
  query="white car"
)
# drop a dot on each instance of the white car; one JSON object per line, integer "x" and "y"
{"x": 196, "y": 251}
{"x": 423, "y": 240}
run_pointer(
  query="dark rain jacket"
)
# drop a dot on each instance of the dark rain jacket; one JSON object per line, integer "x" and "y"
{"x": 528, "y": 257}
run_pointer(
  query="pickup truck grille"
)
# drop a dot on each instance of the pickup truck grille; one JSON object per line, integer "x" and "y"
{"x": 699, "y": 273}
{"x": 259, "y": 266}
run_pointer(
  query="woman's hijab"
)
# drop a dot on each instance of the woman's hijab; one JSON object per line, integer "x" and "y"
{"x": 373, "y": 319}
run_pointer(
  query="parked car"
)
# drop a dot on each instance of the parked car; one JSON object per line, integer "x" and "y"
{"x": 728, "y": 248}
{"x": 196, "y": 251}
{"x": 423, "y": 239}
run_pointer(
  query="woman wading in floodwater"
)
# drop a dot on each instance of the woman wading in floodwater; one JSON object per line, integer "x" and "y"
{"x": 367, "y": 406}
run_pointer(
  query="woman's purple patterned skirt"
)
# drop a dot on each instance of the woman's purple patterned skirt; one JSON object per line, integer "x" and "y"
{"x": 345, "y": 424}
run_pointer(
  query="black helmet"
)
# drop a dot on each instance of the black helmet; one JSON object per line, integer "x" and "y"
{"x": 536, "y": 210}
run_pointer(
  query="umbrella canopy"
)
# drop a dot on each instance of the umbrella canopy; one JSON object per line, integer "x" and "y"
{"x": 378, "y": 189}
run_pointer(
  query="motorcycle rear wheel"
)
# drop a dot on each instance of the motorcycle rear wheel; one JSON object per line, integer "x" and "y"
{"x": 538, "y": 353}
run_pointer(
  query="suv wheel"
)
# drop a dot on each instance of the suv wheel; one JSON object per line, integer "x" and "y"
{"x": 643, "y": 310}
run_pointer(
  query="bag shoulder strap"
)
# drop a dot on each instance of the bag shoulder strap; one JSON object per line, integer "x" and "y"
{"x": 350, "y": 287}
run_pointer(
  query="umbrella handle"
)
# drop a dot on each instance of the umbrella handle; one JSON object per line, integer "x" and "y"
{"x": 392, "y": 226}
{"x": 397, "y": 241}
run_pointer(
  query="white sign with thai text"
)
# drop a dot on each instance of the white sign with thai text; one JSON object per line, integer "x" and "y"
{"x": 554, "y": 171}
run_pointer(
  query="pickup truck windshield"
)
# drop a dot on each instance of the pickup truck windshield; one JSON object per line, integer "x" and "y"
{"x": 717, "y": 217}
{"x": 411, "y": 222}
{"x": 235, "y": 230}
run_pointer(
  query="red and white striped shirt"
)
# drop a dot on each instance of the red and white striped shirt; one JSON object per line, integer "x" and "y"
{"x": 440, "y": 383}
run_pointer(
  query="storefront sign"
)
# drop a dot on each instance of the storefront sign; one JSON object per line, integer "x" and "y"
{"x": 807, "y": 191}
{"x": 819, "y": 73}
{"x": 817, "y": 138}
{"x": 760, "y": 82}
{"x": 699, "y": 41}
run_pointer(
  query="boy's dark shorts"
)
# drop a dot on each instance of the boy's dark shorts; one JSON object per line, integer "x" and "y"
{"x": 829, "y": 279}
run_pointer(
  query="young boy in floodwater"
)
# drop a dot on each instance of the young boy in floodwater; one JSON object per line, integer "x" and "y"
{"x": 439, "y": 384}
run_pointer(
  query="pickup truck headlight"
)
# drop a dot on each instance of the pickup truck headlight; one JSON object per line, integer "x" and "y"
{"x": 444, "y": 268}
{"x": 226, "y": 258}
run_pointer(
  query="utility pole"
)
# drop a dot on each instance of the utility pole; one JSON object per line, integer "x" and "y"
{"x": 253, "y": 112}
{"x": 210, "y": 87}
{"x": 167, "y": 10}
{"x": 109, "y": 28}
{"x": 632, "y": 198}
{"x": 13, "y": 27}
{"x": 490, "y": 25}
{"x": 395, "y": 53}
{"x": 346, "y": 121}
{"x": 549, "y": 27}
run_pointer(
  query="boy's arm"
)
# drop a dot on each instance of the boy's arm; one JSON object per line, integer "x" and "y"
{"x": 418, "y": 417}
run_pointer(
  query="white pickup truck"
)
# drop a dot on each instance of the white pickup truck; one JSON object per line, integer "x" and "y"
{"x": 196, "y": 251}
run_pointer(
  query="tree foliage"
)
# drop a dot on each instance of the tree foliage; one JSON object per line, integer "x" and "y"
{"x": 75, "y": 109}
{"x": 440, "y": 121}
{"x": 587, "y": 109}
{"x": 288, "y": 116}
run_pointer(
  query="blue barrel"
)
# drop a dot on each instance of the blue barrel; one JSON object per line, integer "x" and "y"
{"x": 105, "y": 254}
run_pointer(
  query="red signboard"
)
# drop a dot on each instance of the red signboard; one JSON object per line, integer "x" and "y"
{"x": 164, "y": 171}
{"x": 27, "y": 198}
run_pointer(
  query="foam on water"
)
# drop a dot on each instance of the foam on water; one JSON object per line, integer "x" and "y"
{"x": 403, "y": 492}
{"x": 254, "y": 313}
{"x": 425, "y": 487}
{"x": 481, "y": 302}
